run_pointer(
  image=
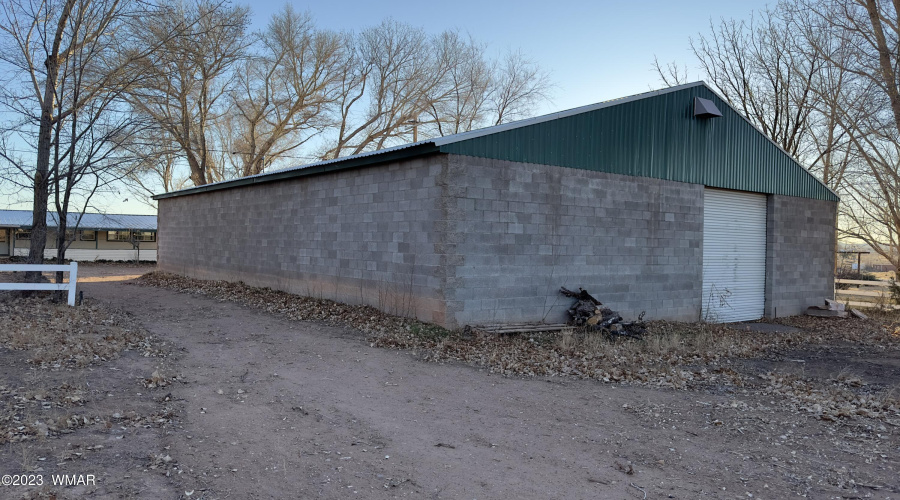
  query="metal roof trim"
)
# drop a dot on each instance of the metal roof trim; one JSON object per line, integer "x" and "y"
{"x": 345, "y": 162}
{"x": 441, "y": 141}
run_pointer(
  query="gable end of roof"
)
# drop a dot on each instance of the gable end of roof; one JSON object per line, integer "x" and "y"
{"x": 654, "y": 134}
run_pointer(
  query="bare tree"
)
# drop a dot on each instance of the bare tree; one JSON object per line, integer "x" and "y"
{"x": 761, "y": 68}
{"x": 864, "y": 44}
{"x": 470, "y": 81}
{"x": 90, "y": 152}
{"x": 830, "y": 153}
{"x": 390, "y": 79}
{"x": 481, "y": 92}
{"x": 771, "y": 70}
{"x": 226, "y": 104}
{"x": 285, "y": 91}
{"x": 185, "y": 82}
{"x": 672, "y": 74}
{"x": 519, "y": 85}
{"x": 157, "y": 166}
{"x": 398, "y": 79}
{"x": 70, "y": 59}
{"x": 90, "y": 156}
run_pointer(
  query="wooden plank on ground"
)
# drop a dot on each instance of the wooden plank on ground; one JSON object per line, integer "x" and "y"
{"x": 523, "y": 328}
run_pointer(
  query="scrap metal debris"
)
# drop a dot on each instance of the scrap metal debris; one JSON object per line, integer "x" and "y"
{"x": 588, "y": 312}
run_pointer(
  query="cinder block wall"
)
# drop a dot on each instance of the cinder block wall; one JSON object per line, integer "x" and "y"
{"x": 517, "y": 232}
{"x": 800, "y": 254}
{"x": 459, "y": 240}
{"x": 356, "y": 236}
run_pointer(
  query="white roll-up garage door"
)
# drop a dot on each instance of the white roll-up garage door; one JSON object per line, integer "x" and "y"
{"x": 734, "y": 255}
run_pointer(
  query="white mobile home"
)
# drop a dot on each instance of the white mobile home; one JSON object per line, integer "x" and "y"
{"x": 90, "y": 236}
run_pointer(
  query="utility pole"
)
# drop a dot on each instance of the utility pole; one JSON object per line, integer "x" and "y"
{"x": 415, "y": 123}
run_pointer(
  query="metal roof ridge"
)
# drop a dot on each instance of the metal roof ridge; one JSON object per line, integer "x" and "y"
{"x": 462, "y": 136}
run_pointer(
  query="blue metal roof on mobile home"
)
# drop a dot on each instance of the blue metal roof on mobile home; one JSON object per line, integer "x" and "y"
{"x": 654, "y": 134}
{"x": 99, "y": 222}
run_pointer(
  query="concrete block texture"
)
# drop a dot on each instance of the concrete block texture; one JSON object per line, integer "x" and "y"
{"x": 801, "y": 235}
{"x": 635, "y": 243}
{"x": 458, "y": 240}
{"x": 362, "y": 236}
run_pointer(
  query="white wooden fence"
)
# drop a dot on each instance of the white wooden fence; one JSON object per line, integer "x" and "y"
{"x": 72, "y": 269}
{"x": 864, "y": 293}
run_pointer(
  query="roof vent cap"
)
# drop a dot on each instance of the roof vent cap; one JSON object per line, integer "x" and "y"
{"x": 704, "y": 108}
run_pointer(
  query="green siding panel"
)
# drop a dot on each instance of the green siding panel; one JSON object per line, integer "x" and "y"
{"x": 656, "y": 137}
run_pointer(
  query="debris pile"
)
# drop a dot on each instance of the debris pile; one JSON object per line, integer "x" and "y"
{"x": 588, "y": 312}
{"x": 831, "y": 309}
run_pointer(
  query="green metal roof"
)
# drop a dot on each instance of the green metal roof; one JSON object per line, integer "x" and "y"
{"x": 654, "y": 134}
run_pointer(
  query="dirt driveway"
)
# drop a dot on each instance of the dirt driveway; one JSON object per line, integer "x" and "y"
{"x": 266, "y": 407}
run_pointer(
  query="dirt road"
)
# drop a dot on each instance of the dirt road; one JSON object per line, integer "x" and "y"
{"x": 272, "y": 408}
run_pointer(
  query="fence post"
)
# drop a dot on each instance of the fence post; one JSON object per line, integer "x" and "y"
{"x": 73, "y": 280}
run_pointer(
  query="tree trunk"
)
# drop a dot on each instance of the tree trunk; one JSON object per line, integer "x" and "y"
{"x": 42, "y": 168}
{"x": 41, "y": 178}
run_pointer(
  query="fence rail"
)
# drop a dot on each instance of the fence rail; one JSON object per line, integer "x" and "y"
{"x": 71, "y": 268}
{"x": 865, "y": 293}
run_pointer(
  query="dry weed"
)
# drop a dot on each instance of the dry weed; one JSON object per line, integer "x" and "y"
{"x": 363, "y": 318}
{"x": 57, "y": 335}
{"x": 671, "y": 354}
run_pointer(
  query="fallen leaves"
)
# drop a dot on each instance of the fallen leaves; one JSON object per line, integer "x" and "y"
{"x": 671, "y": 354}
{"x": 157, "y": 379}
{"x": 160, "y": 461}
{"x": 363, "y": 318}
{"x": 59, "y": 336}
{"x": 56, "y": 339}
{"x": 834, "y": 401}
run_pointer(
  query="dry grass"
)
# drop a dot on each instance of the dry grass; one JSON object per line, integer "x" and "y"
{"x": 883, "y": 275}
{"x": 58, "y": 341}
{"x": 57, "y": 335}
{"x": 667, "y": 356}
{"x": 670, "y": 354}
{"x": 363, "y": 318}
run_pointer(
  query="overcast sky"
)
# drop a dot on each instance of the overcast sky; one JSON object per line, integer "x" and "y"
{"x": 594, "y": 50}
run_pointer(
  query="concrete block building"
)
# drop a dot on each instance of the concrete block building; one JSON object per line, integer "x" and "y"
{"x": 668, "y": 202}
